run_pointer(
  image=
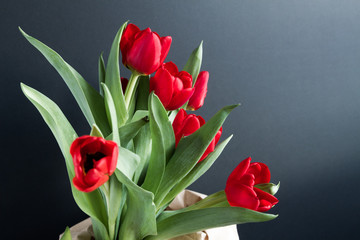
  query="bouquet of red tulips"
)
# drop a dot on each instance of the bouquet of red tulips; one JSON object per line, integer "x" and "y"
{"x": 144, "y": 148}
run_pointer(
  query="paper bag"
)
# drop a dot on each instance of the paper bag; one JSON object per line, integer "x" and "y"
{"x": 83, "y": 230}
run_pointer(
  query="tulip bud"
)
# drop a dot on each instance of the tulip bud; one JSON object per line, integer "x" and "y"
{"x": 173, "y": 88}
{"x": 186, "y": 124}
{"x": 143, "y": 51}
{"x": 94, "y": 161}
{"x": 197, "y": 99}
{"x": 241, "y": 190}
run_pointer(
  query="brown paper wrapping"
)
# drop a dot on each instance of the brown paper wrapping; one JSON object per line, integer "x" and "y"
{"x": 83, "y": 230}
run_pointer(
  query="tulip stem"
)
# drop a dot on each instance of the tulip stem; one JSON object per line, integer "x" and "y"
{"x": 131, "y": 89}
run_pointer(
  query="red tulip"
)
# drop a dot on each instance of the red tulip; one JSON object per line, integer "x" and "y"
{"x": 185, "y": 124}
{"x": 173, "y": 88}
{"x": 241, "y": 188}
{"x": 143, "y": 51}
{"x": 197, "y": 99}
{"x": 94, "y": 161}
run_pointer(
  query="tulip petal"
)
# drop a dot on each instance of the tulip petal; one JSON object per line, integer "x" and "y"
{"x": 260, "y": 171}
{"x": 165, "y": 47}
{"x": 239, "y": 195}
{"x": 180, "y": 99}
{"x": 191, "y": 124}
{"x": 172, "y": 68}
{"x": 144, "y": 55}
{"x": 266, "y": 196}
{"x": 162, "y": 85}
{"x": 197, "y": 99}
{"x": 240, "y": 170}
{"x": 178, "y": 121}
{"x": 127, "y": 39}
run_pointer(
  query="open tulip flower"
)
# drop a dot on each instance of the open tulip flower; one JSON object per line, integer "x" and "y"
{"x": 174, "y": 88}
{"x": 143, "y": 149}
{"x": 241, "y": 190}
{"x": 94, "y": 161}
{"x": 186, "y": 124}
{"x": 143, "y": 51}
{"x": 197, "y": 99}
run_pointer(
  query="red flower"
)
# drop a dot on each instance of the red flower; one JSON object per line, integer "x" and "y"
{"x": 143, "y": 51}
{"x": 241, "y": 188}
{"x": 94, "y": 161}
{"x": 197, "y": 99}
{"x": 173, "y": 88}
{"x": 185, "y": 124}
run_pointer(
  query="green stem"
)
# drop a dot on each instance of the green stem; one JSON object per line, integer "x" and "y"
{"x": 131, "y": 88}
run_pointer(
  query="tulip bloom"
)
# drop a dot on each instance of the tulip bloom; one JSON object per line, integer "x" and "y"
{"x": 173, "y": 88}
{"x": 186, "y": 124}
{"x": 94, "y": 160}
{"x": 197, "y": 99}
{"x": 143, "y": 51}
{"x": 241, "y": 188}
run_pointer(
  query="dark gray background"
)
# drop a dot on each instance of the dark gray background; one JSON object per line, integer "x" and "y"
{"x": 294, "y": 66}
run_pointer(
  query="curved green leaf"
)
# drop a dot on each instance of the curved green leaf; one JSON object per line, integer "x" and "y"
{"x": 66, "y": 235}
{"x": 89, "y": 100}
{"x": 111, "y": 112}
{"x": 112, "y": 79}
{"x": 189, "y": 151}
{"x": 91, "y": 203}
{"x": 157, "y": 160}
{"x": 269, "y": 187}
{"x": 201, "y": 219}
{"x": 140, "y": 217}
{"x": 102, "y": 73}
{"x": 199, "y": 169}
{"x": 193, "y": 64}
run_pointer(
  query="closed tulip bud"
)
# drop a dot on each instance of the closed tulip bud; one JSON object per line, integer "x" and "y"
{"x": 186, "y": 124}
{"x": 173, "y": 88}
{"x": 241, "y": 190}
{"x": 94, "y": 161}
{"x": 143, "y": 51}
{"x": 197, "y": 99}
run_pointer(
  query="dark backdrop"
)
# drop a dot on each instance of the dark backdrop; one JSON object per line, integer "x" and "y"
{"x": 294, "y": 66}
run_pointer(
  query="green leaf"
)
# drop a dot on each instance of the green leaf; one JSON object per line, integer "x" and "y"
{"x": 115, "y": 203}
{"x": 201, "y": 219}
{"x": 193, "y": 64}
{"x": 199, "y": 169}
{"x": 129, "y": 131}
{"x": 100, "y": 231}
{"x": 95, "y": 131}
{"x": 161, "y": 117}
{"x": 142, "y": 144}
{"x": 90, "y": 101}
{"x": 189, "y": 151}
{"x": 66, "y": 235}
{"x": 90, "y": 203}
{"x": 127, "y": 162}
{"x": 268, "y": 187}
{"x": 143, "y": 93}
{"x": 157, "y": 160}
{"x": 140, "y": 217}
{"x": 112, "y": 79}
{"x": 102, "y": 71}
{"x": 139, "y": 114}
{"x": 111, "y": 111}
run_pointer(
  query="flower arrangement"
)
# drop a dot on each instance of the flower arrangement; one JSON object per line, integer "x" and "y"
{"x": 144, "y": 148}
